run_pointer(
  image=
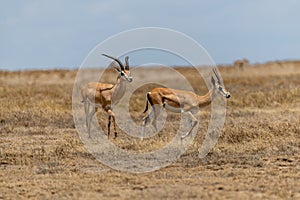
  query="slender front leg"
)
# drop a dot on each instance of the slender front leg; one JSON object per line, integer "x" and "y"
{"x": 194, "y": 122}
{"x": 90, "y": 117}
{"x": 86, "y": 105}
{"x": 115, "y": 126}
{"x": 108, "y": 126}
{"x": 112, "y": 116}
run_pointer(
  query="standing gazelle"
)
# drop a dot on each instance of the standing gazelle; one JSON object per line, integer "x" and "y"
{"x": 105, "y": 95}
{"x": 181, "y": 102}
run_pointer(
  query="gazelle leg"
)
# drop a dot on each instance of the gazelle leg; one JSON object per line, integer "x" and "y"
{"x": 115, "y": 126}
{"x": 108, "y": 126}
{"x": 194, "y": 122}
{"x": 86, "y": 105}
{"x": 146, "y": 120}
{"x": 112, "y": 116}
{"x": 90, "y": 117}
{"x": 156, "y": 112}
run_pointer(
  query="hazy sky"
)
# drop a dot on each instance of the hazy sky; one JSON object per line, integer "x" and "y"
{"x": 61, "y": 33}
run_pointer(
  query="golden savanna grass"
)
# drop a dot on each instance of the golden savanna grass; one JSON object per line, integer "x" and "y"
{"x": 257, "y": 155}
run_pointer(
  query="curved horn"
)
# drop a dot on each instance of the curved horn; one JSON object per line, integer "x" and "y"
{"x": 126, "y": 63}
{"x": 218, "y": 77}
{"x": 115, "y": 59}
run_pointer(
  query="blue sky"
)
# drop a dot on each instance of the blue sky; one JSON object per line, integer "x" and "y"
{"x": 54, "y": 34}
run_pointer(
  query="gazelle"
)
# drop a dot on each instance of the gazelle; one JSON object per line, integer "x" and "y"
{"x": 181, "y": 102}
{"x": 106, "y": 95}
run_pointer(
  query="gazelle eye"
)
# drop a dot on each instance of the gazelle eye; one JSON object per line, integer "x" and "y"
{"x": 122, "y": 73}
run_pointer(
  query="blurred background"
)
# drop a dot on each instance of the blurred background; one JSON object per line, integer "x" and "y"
{"x": 60, "y": 34}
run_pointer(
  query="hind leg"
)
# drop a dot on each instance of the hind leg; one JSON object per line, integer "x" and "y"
{"x": 156, "y": 112}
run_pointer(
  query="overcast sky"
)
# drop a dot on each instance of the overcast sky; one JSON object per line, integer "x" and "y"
{"x": 61, "y": 33}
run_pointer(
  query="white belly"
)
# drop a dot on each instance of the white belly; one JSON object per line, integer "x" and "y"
{"x": 172, "y": 109}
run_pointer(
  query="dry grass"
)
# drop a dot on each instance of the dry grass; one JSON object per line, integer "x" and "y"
{"x": 257, "y": 155}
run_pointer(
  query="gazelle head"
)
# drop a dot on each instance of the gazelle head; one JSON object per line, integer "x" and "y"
{"x": 219, "y": 86}
{"x": 124, "y": 71}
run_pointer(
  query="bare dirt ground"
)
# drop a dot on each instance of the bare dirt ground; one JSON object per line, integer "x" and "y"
{"x": 256, "y": 157}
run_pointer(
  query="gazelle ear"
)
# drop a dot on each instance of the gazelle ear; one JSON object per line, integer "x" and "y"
{"x": 126, "y": 63}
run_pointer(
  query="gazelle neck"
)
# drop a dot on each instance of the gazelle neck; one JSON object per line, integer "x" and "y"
{"x": 206, "y": 99}
{"x": 119, "y": 88}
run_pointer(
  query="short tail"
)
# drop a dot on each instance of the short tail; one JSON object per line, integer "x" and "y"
{"x": 148, "y": 99}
